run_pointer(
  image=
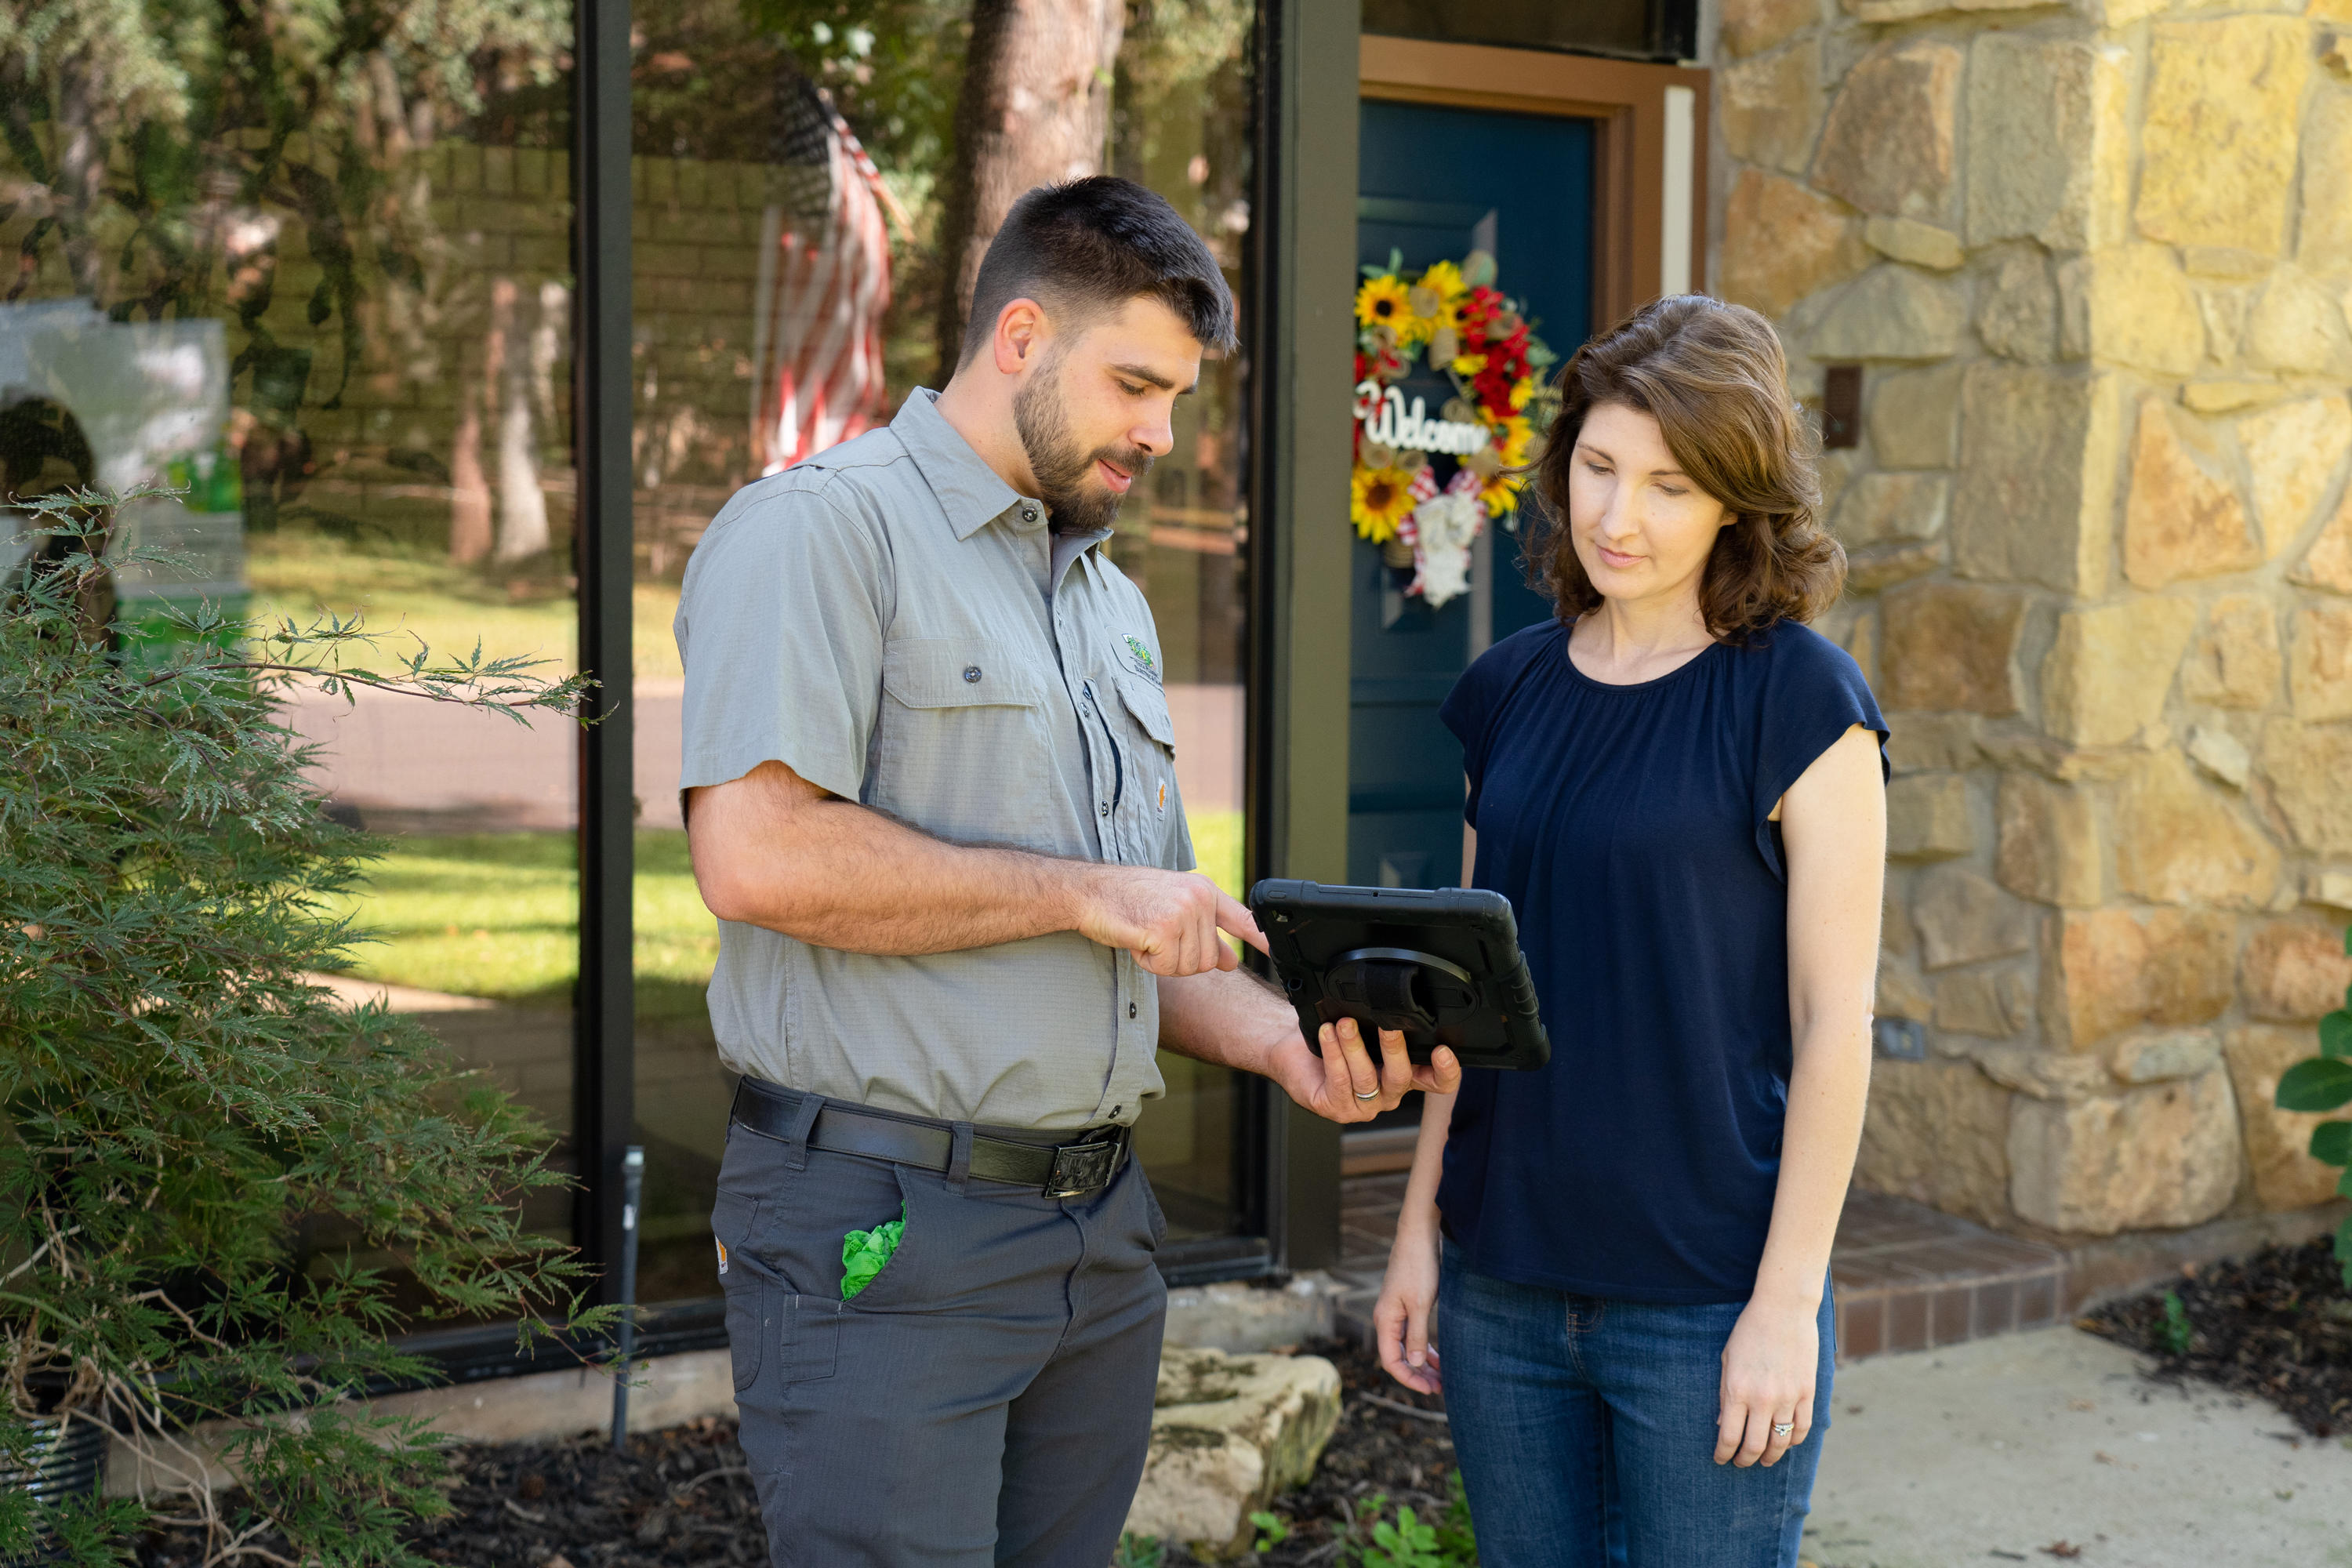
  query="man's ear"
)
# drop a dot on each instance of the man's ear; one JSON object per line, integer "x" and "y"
{"x": 1022, "y": 330}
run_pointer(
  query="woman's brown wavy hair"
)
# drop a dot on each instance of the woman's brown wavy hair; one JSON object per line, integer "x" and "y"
{"x": 1714, "y": 379}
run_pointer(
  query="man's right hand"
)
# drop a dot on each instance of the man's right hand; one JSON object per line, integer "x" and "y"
{"x": 1169, "y": 919}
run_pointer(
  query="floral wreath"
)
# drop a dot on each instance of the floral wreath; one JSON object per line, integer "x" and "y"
{"x": 1489, "y": 430}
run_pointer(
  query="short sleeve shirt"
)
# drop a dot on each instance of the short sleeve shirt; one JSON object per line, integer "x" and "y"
{"x": 894, "y": 623}
{"x": 1630, "y": 827}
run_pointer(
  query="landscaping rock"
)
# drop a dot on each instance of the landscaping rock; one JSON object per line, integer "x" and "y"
{"x": 1239, "y": 1319}
{"x": 1228, "y": 1433}
{"x": 1937, "y": 1132}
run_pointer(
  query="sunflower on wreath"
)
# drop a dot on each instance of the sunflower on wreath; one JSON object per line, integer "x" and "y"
{"x": 1451, "y": 317}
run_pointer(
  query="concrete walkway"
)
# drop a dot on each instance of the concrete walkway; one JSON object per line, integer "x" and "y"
{"x": 1997, "y": 1450}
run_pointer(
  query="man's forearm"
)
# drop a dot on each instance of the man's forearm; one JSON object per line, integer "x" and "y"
{"x": 1231, "y": 1019}
{"x": 854, "y": 880}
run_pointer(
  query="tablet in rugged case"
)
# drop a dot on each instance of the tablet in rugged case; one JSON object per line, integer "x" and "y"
{"x": 1441, "y": 966}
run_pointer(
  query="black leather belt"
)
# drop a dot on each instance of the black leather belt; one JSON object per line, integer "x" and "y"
{"x": 1072, "y": 1170}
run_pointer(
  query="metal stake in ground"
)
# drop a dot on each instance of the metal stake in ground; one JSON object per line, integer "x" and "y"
{"x": 632, "y": 1182}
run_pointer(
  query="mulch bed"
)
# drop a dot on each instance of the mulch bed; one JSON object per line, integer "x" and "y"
{"x": 682, "y": 1498}
{"x": 2277, "y": 1325}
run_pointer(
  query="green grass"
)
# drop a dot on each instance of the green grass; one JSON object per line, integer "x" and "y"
{"x": 449, "y": 606}
{"x": 495, "y": 915}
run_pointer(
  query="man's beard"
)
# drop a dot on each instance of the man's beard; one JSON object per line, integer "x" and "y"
{"x": 1060, "y": 469}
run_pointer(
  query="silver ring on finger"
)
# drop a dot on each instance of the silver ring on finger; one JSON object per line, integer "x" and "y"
{"x": 1783, "y": 1428}
{"x": 1374, "y": 1095}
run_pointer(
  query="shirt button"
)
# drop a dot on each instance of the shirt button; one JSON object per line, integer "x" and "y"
{"x": 1028, "y": 514}
{"x": 1130, "y": 1009}
{"x": 1106, "y": 809}
{"x": 971, "y": 673}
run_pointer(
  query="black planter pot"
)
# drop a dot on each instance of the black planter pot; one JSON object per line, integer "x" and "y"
{"x": 68, "y": 1460}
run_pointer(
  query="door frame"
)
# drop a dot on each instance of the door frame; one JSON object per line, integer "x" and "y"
{"x": 1650, "y": 121}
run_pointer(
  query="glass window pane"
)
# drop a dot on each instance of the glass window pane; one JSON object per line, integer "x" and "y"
{"x": 332, "y": 298}
{"x": 794, "y": 169}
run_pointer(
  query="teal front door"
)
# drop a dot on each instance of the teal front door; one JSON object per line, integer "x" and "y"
{"x": 1437, "y": 183}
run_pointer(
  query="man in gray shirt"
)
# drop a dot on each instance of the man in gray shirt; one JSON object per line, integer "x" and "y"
{"x": 931, "y": 796}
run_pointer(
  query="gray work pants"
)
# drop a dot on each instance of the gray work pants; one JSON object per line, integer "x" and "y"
{"x": 986, "y": 1399}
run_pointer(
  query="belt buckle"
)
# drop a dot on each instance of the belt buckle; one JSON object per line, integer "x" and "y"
{"x": 1082, "y": 1168}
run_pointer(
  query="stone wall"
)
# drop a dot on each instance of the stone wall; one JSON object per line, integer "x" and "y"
{"x": 2096, "y": 264}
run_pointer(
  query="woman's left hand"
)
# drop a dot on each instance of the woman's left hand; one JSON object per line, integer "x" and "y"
{"x": 1768, "y": 1380}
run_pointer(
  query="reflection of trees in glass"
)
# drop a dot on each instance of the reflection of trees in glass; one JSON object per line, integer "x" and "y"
{"x": 286, "y": 165}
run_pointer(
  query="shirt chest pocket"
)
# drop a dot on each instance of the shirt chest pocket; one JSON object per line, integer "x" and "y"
{"x": 1146, "y": 735}
{"x": 961, "y": 728}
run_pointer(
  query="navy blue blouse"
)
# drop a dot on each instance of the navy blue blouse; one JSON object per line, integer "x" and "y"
{"x": 1627, "y": 826}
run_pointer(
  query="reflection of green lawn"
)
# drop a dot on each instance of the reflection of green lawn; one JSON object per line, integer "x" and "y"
{"x": 495, "y": 915}
{"x": 449, "y": 606}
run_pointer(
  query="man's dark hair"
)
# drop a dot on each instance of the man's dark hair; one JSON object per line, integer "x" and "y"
{"x": 1086, "y": 248}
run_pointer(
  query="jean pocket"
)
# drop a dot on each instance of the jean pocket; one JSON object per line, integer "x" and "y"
{"x": 1151, "y": 1209}
{"x": 750, "y": 1323}
{"x": 899, "y": 1283}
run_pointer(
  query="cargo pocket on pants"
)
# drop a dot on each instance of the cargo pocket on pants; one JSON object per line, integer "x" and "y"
{"x": 812, "y": 1337}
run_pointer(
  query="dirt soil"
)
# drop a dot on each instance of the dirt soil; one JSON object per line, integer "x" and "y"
{"x": 682, "y": 1497}
{"x": 2277, "y": 1324}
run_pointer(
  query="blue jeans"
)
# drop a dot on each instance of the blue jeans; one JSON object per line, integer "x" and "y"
{"x": 1586, "y": 1430}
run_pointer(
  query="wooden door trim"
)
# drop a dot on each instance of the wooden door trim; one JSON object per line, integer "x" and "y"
{"x": 1626, "y": 100}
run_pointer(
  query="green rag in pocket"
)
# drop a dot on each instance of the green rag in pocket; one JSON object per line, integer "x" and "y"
{"x": 863, "y": 1252}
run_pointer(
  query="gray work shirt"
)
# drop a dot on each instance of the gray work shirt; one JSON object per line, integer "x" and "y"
{"x": 891, "y": 621}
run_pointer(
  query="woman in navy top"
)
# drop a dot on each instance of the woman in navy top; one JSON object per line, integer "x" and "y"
{"x": 1681, "y": 789}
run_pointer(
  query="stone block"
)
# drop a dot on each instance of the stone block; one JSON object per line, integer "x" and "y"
{"x": 2036, "y": 490}
{"x": 2222, "y": 754}
{"x": 1752, "y": 27}
{"x": 2178, "y": 841}
{"x": 2328, "y": 563}
{"x": 2183, "y": 517}
{"x": 1892, "y": 312}
{"x": 1994, "y": 1006}
{"x": 1782, "y": 242}
{"x": 2296, "y": 326}
{"x": 1869, "y": 570}
{"x": 1878, "y": 507}
{"x": 1915, "y": 419}
{"x": 2293, "y": 451}
{"x": 2294, "y": 971}
{"x": 2044, "y": 1074}
{"x": 1229, "y": 1434}
{"x": 2320, "y": 664}
{"x": 2017, "y": 308}
{"x": 1964, "y": 918}
{"x": 2109, "y": 672}
{"x": 1239, "y": 1319}
{"x": 1888, "y": 144}
{"x": 2166, "y": 1155}
{"x": 2307, "y": 767}
{"x": 1908, "y": 239}
{"x": 2157, "y": 1058}
{"x": 2323, "y": 231}
{"x": 2104, "y": 970}
{"x": 2049, "y": 844}
{"x": 1937, "y": 1132}
{"x": 2235, "y": 662}
{"x": 2330, "y": 888}
{"x": 1928, "y": 818}
{"x": 2218, "y": 143}
{"x": 2049, "y": 142}
{"x": 1952, "y": 646}
{"x": 2229, "y": 396}
{"x": 1933, "y": 742}
{"x": 1901, "y": 993}
{"x": 1769, "y": 108}
{"x": 2138, "y": 310}
{"x": 2278, "y": 1142}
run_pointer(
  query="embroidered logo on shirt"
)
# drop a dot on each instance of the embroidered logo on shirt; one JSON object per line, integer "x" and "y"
{"x": 1164, "y": 797}
{"x": 722, "y": 1253}
{"x": 1138, "y": 657}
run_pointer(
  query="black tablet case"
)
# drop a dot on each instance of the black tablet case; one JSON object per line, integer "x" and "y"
{"x": 1440, "y": 965}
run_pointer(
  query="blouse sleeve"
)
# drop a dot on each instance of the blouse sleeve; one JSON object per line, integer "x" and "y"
{"x": 1469, "y": 709}
{"x": 1813, "y": 693}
